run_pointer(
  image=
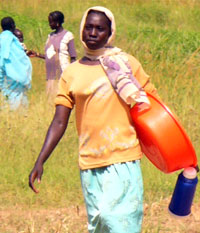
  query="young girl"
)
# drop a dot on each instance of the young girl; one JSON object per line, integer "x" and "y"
{"x": 109, "y": 151}
{"x": 59, "y": 50}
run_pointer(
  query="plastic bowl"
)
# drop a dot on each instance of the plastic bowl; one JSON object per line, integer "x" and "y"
{"x": 162, "y": 138}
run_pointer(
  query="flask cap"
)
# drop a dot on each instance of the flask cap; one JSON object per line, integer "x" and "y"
{"x": 190, "y": 172}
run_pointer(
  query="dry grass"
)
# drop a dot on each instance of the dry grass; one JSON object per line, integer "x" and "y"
{"x": 73, "y": 219}
{"x": 158, "y": 220}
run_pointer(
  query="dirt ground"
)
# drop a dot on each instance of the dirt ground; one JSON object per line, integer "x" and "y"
{"x": 73, "y": 220}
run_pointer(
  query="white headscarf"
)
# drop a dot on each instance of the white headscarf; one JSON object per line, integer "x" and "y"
{"x": 96, "y": 54}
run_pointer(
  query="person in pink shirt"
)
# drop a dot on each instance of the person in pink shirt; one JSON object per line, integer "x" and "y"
{"x": 59, "y": 50}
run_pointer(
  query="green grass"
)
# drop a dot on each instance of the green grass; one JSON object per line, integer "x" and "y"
{"x": 163, "y": 35}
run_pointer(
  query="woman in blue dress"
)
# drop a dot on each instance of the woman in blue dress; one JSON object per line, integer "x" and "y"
{"x": 15, "y": 67}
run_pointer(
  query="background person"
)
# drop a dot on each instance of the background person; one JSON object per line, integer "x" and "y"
{"x": 109, "y": 151}
{"x": 15, "y": 67}
{"x": 18, "y": 33}
{"x": 59, "y": 50}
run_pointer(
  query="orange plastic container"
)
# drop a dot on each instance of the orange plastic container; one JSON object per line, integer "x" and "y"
{"x": 163, "y": 140}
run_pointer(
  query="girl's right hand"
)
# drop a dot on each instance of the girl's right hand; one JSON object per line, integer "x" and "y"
{"x": 36, "y": 173}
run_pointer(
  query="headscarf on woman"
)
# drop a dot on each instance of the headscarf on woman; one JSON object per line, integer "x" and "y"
{"x": 115, "y": 63}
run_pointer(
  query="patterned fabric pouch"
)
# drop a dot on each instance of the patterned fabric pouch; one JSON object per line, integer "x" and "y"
{"x": 124, "y": 83}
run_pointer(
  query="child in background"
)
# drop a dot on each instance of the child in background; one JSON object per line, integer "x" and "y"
{"x": 19, "y": 34}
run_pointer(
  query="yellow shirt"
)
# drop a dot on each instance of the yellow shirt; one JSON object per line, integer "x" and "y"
{"x": 105, "y": 130}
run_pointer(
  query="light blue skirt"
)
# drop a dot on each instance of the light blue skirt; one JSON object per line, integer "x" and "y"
{"x": 114, "y": 198}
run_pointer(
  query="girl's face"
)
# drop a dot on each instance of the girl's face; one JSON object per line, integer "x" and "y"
{"x": 52, "y": 23}
{"x": 96, "y": 31}
{"x": 19, "y": 35}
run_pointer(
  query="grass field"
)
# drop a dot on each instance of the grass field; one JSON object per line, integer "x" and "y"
{"x": 164, "y": 35}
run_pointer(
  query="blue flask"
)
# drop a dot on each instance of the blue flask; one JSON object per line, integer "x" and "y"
{"x": 184, "y": 191}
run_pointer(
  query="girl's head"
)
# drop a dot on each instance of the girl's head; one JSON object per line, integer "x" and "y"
{"x": 97, "y": 28}
{"x": 8, "y": 23}
{"x": 56, "y": 19}
{"x": 19, "y": 35}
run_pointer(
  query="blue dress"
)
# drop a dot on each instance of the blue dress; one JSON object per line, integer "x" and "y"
{"x": 114, "y": 198}
{"x": 15, "y": 70}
